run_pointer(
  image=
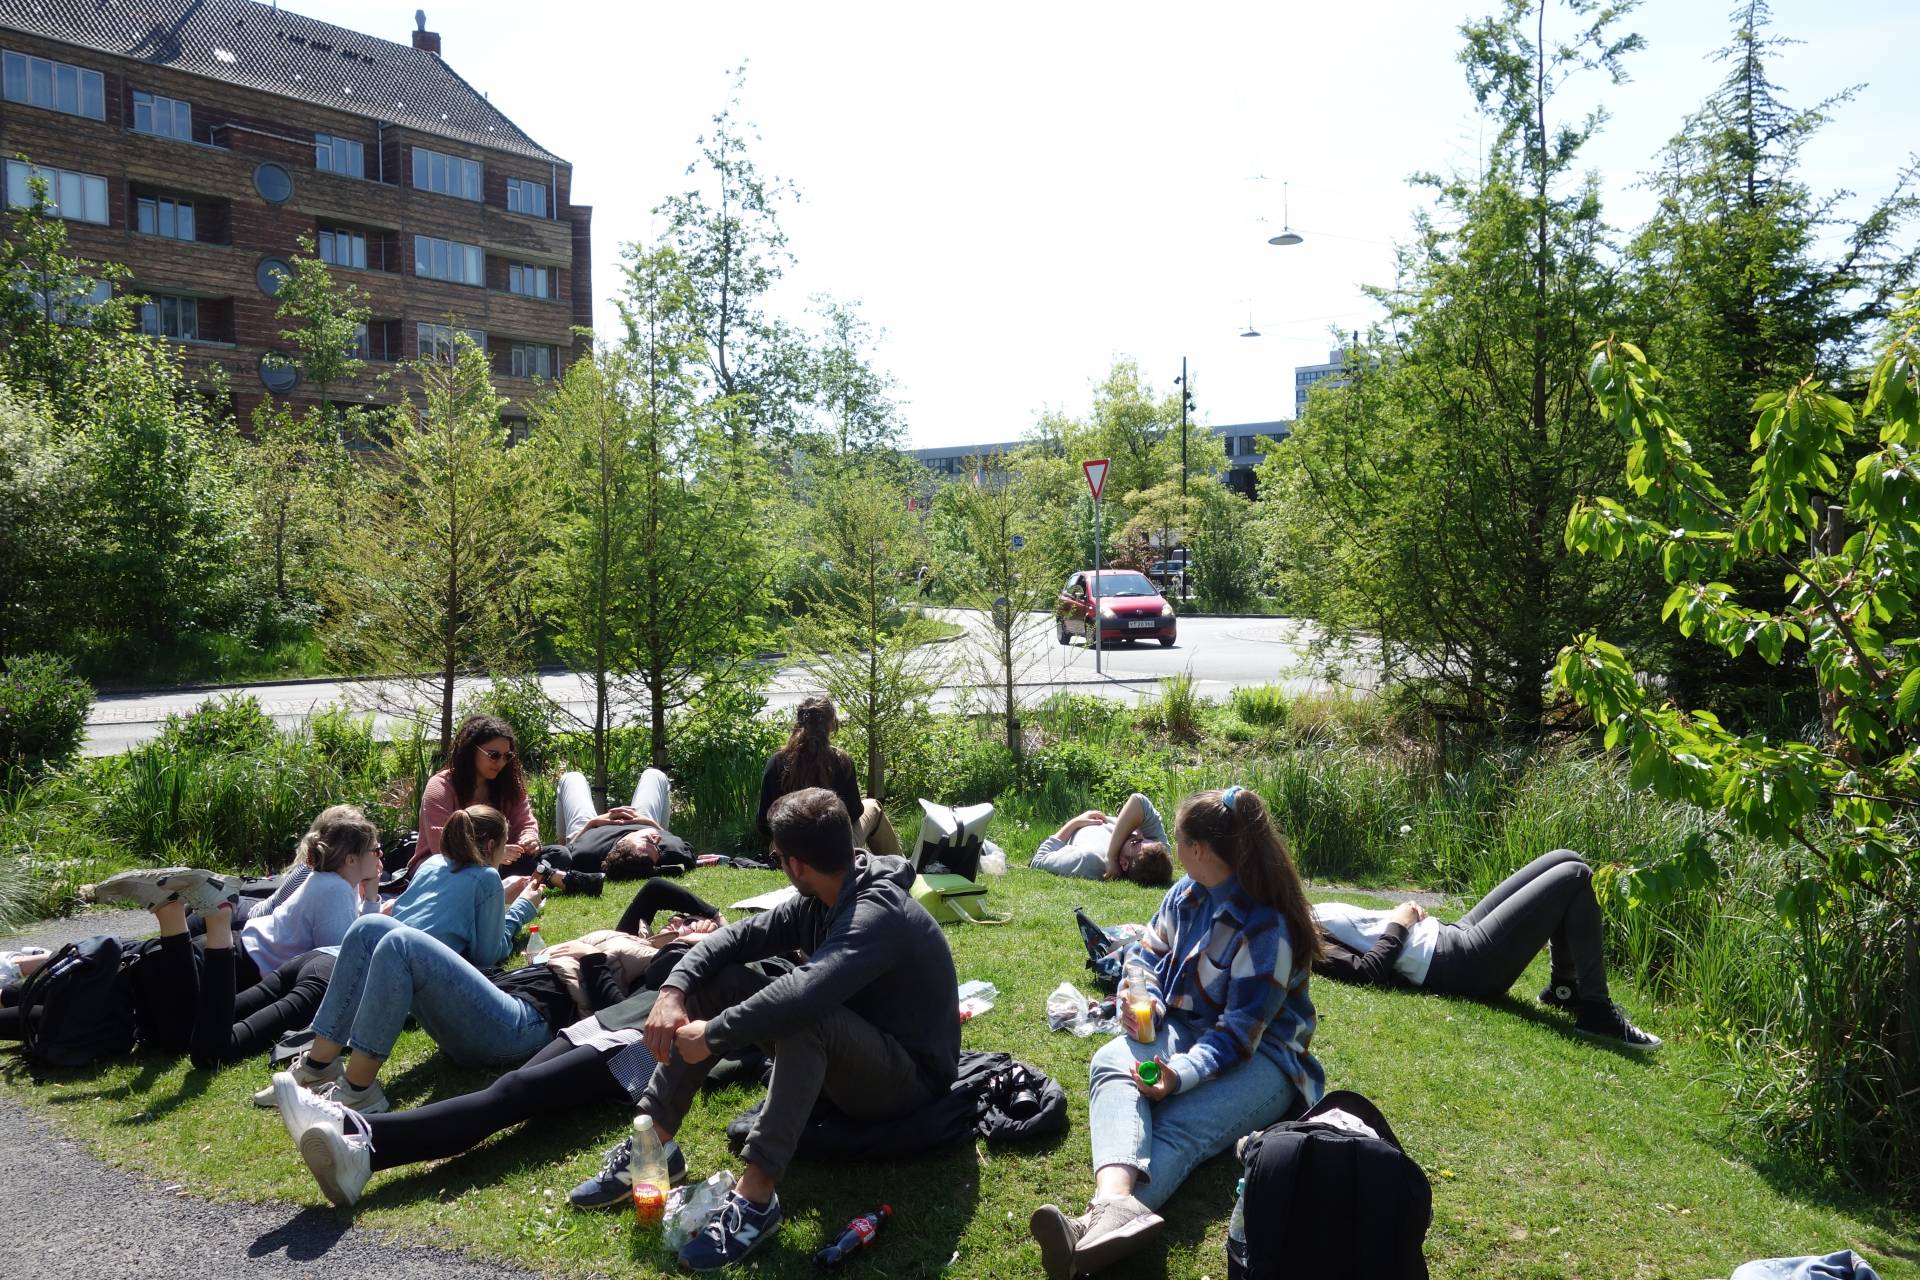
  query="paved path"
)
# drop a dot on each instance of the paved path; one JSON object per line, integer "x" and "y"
{"x": 1221, "y": 654}
{"x": 102, "y": 1223}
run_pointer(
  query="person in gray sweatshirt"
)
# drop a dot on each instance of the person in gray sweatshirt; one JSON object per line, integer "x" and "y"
{"x": 868, "y": 1021}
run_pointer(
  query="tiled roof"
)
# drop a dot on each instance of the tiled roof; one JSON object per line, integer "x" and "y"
{"x": 265, "y": 47}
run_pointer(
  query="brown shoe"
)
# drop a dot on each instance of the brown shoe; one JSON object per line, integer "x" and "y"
{"x": 1057, "y": 1235}
{"x": 1119, "y": 1227}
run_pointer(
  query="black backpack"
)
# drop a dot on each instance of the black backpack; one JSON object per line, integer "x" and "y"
{"x": 993, "y": 1097}
{"x": 85, "y": 1003}
{"x": 1317, "y": 1190}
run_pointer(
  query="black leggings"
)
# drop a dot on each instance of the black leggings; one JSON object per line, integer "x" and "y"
{"x": 560, "y": 1078}
{"x": 167, "y": 981}
{"x": 230, "y": 1026}
{"x": 662, "y": 895}
{"x": 1547, "y": 903}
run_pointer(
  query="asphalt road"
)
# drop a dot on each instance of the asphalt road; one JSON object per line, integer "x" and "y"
{"x": 1220, "y": 653}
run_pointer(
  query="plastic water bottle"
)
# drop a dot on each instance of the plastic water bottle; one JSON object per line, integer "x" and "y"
{"x": 858, "y": 1235}
{"x": 536, "y": 945}
{"x": 1237, "y": 1227}
{"x": 649, "y": 1170}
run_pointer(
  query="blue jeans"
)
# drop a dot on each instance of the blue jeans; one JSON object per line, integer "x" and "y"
{"x": 1164, "y": 1140}
{"x": 387, "y": 970}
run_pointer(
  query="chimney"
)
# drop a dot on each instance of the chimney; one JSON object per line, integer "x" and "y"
{"x": 423, "y": 38}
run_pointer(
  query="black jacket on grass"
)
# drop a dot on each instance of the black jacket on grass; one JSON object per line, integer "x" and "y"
{"x": 877, "y": 952}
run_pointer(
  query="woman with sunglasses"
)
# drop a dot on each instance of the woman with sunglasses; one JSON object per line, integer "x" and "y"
{"x": 483, "y": 768}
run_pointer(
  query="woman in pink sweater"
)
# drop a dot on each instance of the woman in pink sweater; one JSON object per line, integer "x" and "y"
{"x": 482, "y": 768}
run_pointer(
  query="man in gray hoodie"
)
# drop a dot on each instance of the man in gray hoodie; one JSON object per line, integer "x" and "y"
{"x": 869, "y": 1020}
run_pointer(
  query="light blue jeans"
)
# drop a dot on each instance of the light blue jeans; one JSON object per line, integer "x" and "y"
{"x": 1164, "y": 1140}
{"x": 387, "y": 970}
{"x": 652, "y": 797}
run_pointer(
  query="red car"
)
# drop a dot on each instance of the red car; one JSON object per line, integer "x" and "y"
{"x": 1130, "y": 607}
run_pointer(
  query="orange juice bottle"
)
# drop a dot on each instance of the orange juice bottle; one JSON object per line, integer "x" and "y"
{"x": 1142, "y": 1005}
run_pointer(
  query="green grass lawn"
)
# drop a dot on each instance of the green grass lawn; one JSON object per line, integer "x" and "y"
{"x": 1549, "y": 1154}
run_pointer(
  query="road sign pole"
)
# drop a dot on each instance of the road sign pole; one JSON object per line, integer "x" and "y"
{"x": 1096, "y": 585}
{"x": 1096, "y": 469}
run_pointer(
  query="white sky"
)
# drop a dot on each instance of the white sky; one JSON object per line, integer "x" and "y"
{"x": 1016, "y": 194}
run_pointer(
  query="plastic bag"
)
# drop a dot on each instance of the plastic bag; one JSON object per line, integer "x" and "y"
{"x": 689, "y": 1207}
{"x": 993, "y": 859}
{"x": 976, "y": 998}
{"x": 1068, "y": 1010}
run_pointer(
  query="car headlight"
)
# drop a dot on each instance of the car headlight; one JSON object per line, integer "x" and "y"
{"x": 1106, "y": 610}
{"x": 1166, "y": 610}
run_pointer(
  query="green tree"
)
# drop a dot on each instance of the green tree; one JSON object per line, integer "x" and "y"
{"x": 444, "y": 545}
{"x": 855, "y": 402}
{"x": 1430, "y": 491}
{"x": 300, "y": 488}
{"x": 323, "y": 318}
{"x": 1010, "y": 585}
{"x": 863, "y": 621}
{"x": 1846, "y": 802}
{"x": 1737, "y": 290}
{"x": 727, "y": 233}
{"x": 52, "y": 323}
{"x": 42, "y": 490}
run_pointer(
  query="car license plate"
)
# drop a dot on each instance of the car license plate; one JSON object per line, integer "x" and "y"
{"x": 1143, "y": 624}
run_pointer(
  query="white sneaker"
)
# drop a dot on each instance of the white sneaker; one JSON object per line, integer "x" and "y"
{"x": 370, "y": 1101}
{"x": 144, "y": 888}
{"x": 302, "y": 1108}
{"x": 306, "y": 1075}
{"x": 340, "y": 1160}
{"x": 204, "y": 891}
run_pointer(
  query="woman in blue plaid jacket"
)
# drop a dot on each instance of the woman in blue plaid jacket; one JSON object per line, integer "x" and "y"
{"x": 1225, "y": 962}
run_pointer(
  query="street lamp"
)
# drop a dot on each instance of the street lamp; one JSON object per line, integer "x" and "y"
{"x": 1287, "y": 234}
{"x": 1186, "y": 403}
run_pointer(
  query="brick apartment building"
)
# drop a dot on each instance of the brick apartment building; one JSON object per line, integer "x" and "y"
{"x": 196, "y": 142}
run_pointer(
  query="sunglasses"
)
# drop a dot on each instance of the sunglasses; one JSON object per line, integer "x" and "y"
{"x": 496, "y": 756}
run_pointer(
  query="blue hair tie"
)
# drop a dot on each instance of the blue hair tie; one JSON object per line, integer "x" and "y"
{"x": 1228, "y": 796}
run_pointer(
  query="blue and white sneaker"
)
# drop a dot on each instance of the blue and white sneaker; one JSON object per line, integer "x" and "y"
{"x": 614, "y": 1183}
{"x": 736, "y": 1229}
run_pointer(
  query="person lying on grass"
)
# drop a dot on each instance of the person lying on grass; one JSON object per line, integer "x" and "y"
{"x": 229, "y": 994}
{"x": 626, "y": 842}
{"x": 1547, "y": 903}
{"x": 1131, "y": 845}
{"x": 599, "y": 1061}
{"x": 1225, "y": 962}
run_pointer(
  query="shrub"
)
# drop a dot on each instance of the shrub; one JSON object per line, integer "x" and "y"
{"x": 43, "y": 714}
{"x": 952, "y": 761}
{"x": 228, "y": 724}
{"x": 1264, "y": 706}
{"x": 344, "y": 740}
{"x": 717, "y": 748}
{"x": 1179, "y": 711}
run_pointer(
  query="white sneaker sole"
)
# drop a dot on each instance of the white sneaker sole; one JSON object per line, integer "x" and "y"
{"x": 1092, "y": 1256}
{"x": 318, "y": 1153}
{"x": 1050, "y": 1230}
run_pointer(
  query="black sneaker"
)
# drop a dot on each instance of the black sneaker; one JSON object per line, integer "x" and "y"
{"x": 1559, "y": 995}
{"x": 1606, "y": 1019}
{"x": 614, "y": 1183}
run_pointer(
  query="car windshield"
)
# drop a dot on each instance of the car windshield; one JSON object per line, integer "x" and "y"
{"x": 1114, "y": 583}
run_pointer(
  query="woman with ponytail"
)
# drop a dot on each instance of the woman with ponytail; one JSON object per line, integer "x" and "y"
{"x": 222, "y": 1001}
{"x": 425, "y": 959}
{"x": 811, "y": 760}
{"x": 1224, "y": 964}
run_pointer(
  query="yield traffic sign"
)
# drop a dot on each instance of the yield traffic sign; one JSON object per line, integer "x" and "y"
{"x": 1096, "y": 470}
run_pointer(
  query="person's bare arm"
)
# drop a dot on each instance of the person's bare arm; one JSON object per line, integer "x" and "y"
{"x": 1125, "y": 823}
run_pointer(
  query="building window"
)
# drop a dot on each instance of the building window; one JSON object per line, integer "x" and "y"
{"x": 166, "y": 316}
{"x": 528, "y": 360}
{"x": 81, "y": 197}
{"x": 526, "y": 197}
{"x": 160, "y": 216}
{"x": 167, "y": 117}
{"x": 449, "y": 260}
{"x": 340, "y": 248}
{"x": 449, "y": 175}
{"x": 75, "y": 307}
{"x": 535, "y": 282}
{"x": 361, "y": 348}
{"x": 56, "y": 86}
{"x": 436, "y": 341}
{"x": 339, "y": 155}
